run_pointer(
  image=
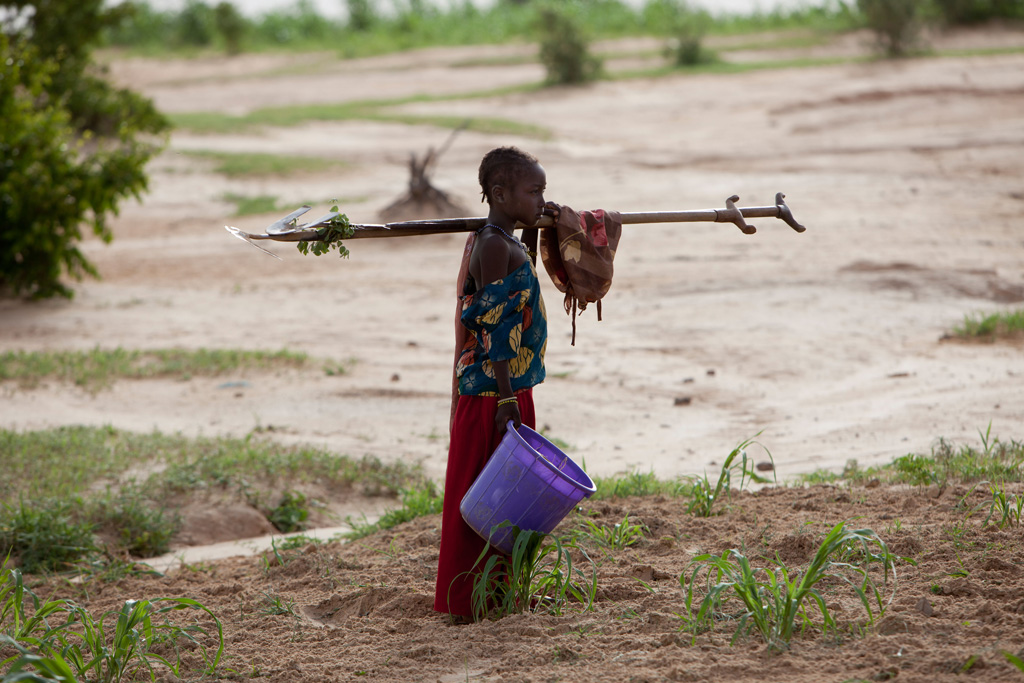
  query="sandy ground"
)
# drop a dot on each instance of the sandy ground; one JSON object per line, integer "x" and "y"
{"x": 828, "y": 344}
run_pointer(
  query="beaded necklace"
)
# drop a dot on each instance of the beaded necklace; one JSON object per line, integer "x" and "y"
{"x": 511, "y": 238}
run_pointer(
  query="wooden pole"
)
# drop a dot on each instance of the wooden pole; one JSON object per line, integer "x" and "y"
{"x": 286, "y": 229}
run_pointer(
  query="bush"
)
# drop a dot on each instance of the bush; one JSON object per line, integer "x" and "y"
{"x": 687, "y": 28}
{"x": 895, "y": 23}
{"x": 563, "y": 49}
{"x": 231, "y": 25}
{"x": 71, "y": 144}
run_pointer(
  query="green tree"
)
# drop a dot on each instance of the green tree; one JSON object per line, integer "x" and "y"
{"x": 72, "y": 146}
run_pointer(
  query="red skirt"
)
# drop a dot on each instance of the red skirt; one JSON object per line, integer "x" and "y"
{"x": 474, "y": 438}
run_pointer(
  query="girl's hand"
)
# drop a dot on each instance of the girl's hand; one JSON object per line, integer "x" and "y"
{"x": 553, "y": 210}
{"x": 506, "y": 412}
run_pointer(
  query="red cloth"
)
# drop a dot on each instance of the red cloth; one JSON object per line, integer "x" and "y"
{"x": 474, "y": 438}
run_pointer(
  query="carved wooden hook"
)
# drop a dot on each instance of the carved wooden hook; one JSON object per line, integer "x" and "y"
{"x": 730, "y": 214}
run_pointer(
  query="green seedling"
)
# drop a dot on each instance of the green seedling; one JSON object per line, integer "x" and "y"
{"x": 775, "y": 601}
{"x": 617, "y": 537}
{"x": 704, "y": 496}
{"x": 1004, "y": 509}
{"x": 537, "y": 577}
{"x": 59, "y": 640}
{"x": 1014, "y": 660}
{"x": 274, "y": 605}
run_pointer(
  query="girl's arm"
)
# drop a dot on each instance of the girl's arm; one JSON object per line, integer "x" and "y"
{"x": 495, "y": 264}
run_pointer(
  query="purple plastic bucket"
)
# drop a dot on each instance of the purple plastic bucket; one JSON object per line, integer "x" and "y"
{"x": 528, "y": 482}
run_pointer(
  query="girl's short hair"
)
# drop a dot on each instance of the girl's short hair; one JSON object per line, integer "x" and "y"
{"x": 503, "y": 166}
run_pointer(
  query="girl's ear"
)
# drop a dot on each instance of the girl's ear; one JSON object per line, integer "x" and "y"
{"x": 498, "y": 194}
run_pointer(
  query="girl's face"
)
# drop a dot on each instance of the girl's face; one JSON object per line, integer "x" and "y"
{"x": 524, "y": 200}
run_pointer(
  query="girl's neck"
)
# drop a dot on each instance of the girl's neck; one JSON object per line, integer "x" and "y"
{"x": 498, "y": 218}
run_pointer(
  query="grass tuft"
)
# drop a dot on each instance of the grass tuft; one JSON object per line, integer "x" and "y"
{"x": 260, "y": 165}
{"x": 992, "y": 327}
{"x": 417, "y": 501}
{"x": 98, "y": 368}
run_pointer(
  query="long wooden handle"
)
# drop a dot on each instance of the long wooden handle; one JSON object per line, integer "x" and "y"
{"x": 310, "y": 232}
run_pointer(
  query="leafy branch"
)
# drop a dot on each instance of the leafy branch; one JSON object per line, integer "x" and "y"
{"x": 330, "y": 236}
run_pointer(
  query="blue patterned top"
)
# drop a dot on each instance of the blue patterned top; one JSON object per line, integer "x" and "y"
{"x": 507, "y": 321}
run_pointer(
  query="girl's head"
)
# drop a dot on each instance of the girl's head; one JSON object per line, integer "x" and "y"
{"x": 504, "y": 166}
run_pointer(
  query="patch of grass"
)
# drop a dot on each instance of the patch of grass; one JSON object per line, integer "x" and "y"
{"x": 776, "y": 602}
{"x": 364, "y": 110}
{"x": 991, "y": 327}
{"x": 46, "y": 537}
{"x": 246, "y": 205}
{"x": 633, "y": 484}
{"x": 57, "y": 640}
{"x": 76, "y": 480}
{"x": 97, "y": 368}
{"x": 137, "y": 524}
{"x": 257, "y": 165}
{"x": 417, "y": 501}
{"x": 995, "y": 460}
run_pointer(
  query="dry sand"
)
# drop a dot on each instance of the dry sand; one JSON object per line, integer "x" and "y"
{"x": 828, "y": 344}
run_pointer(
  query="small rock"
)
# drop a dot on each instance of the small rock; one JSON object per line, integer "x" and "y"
{"x": 395, "y": 377}
{"x": 873, "y": 484}
{"x": 764, "y": 466}
{"x": 711, "y": 373}
{"x": 924, "y": 607}
{"x": 682, "y": 400}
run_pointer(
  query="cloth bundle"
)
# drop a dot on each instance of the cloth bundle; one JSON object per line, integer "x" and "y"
{"x": 578, "y": 251}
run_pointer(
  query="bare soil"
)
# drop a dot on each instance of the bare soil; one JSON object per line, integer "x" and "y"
{"x": 831, "y": 345}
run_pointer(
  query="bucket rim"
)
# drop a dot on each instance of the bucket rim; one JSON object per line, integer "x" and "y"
{"x": 590, "y": 487}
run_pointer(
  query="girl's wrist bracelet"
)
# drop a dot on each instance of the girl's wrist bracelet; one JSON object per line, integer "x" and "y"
{"x": 511, "y": 399}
